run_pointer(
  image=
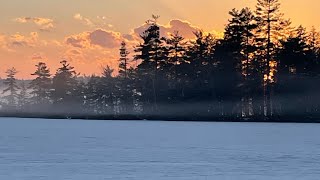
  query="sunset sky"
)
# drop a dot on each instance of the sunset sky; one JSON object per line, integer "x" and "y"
{"x": 88, "y": 32}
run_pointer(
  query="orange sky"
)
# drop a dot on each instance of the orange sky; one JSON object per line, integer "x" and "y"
{"x": 88, "y": 32}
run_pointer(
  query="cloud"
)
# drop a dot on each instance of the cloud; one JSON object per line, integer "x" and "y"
{"x": 109, "y": 39}
{"x": 79, "y": 40}
{"x": 97, "y": 38}
{"x": 185, "y": 29}
{"x": 93, "y": 49}
{"x": 84, "y": 20}
{"x": 44, "y": 24}
{"x": 3, "y": 39}
{"x": 106, "y": 39}
{"x": 19, "y": 40}
{"x": 20, "y": 43}
{"x": 97, "y": 22}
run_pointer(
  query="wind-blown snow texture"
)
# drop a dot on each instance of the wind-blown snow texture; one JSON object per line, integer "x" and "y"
{"x": 141, "y": 150}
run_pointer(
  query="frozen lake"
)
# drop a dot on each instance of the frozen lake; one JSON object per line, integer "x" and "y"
{"x": 140, "y": 150}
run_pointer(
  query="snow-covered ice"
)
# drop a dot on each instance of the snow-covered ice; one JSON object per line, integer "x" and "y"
{"x": 142, "y": 150}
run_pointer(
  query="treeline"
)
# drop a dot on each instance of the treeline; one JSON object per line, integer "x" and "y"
{"x": 263, "y": 68}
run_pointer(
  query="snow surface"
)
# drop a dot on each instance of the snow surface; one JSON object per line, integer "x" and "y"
{"x": 141, "y": 150}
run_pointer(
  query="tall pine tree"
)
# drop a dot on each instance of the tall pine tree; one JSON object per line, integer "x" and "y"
{"x": 271, "y": 24}
{"x": 64, "y": 84}
{"x": 11, "y": 90}
{"x": 150, "y": 53}
{"x": 41, "y": 85}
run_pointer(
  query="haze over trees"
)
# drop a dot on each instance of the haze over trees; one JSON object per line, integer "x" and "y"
{"x": 263, "y": 68}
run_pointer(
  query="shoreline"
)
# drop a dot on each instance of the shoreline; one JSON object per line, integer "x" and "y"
{"x": 283, "y": 119}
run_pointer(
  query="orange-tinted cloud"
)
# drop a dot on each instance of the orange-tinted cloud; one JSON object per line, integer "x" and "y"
{"x": 185, "y": 28}
{"x": 14, "y": 41}
{"x": 97, "y": 38}
{"x": 44, "y": 24}
{"x": 106, "y": 39}
{"x": 3, "y": 41}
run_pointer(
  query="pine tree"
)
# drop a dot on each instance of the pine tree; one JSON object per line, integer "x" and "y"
{"x": 108, "y": 91}
{"x": 124, "y": 82}
{"x": 271, "y": 26}
{"x": 41, "y": 85}
{"x": 199, "y": 72}
{"x": 80, "y": 95}
{"x": 295, "y": 54}
{"x": 176, "y": 47}
{"x": 313, "y": 42}
{"x": 93, "y": 96}
{"x": 313, "y": 39}
{"x": 100, "y": 93}
{"x": 123, "y": 61}
{"x": 12, "y": 88}
{"x": 239, "y": 39}
{"x": 200, "y": 55}
{"x": 23, "y": 100}
{"x": 150, "y": 53}
{"x": 295, "y": 58}
{"x": 64, "y": 84}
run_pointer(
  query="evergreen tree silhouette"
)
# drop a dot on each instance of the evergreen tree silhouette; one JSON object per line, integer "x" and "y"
{"x": 11, "y": 90}
{"x": 270, "y": 24}
{"x": 41, "y": 85}
{"x": 150, "y": 52}
{"x": 63, "y": 84}
{"x": 23, "y": 99}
